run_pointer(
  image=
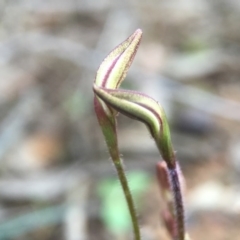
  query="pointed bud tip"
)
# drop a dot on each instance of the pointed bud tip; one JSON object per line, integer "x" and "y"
{"x": 139, "y": 31}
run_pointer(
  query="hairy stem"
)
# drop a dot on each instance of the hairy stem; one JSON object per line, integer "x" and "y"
{"x": 178, "y": 203}
{"x": 127, "y": 193}
{"x": 109, "y": 129}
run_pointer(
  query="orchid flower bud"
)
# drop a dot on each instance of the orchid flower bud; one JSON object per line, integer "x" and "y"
{"x": 114, "y": 67}
{"x": 110, "y": 74}
{"x": 110, "y": 100}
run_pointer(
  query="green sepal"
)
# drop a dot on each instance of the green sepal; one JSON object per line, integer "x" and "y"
{"x": 114, "y": 67}
{"x": 145, "y": 109}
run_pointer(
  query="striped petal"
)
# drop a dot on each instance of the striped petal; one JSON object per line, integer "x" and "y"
{"x": 114, "y": 67}
{"x": 145, "y": 109}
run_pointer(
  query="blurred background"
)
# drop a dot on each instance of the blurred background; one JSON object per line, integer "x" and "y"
{"x": 56, "y": 178}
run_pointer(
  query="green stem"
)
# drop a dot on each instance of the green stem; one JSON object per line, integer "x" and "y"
{"x": 108, "y": 126}
{"x": 127, "y": 193}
